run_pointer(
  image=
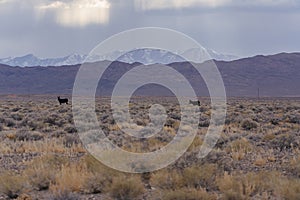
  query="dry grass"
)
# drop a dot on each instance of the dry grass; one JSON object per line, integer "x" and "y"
{"x": 12, "y": 185}
{"x": 200, "y": 176}
{"x": 250, "y": 185}
{"x": 71, "y": 177}
{"x": 43, "y": 171}
{"x": 239, "y": 148}
{"x": 167, "y": 180}
{"x": 188, "y": 194}
{"x": 126, "y": 188}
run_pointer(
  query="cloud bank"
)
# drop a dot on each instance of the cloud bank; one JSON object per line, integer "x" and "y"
{"x": 180, "y": 4}
{"x": 77, "y": 12}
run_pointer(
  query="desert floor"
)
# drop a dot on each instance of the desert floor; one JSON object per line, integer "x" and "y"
{"x": 256, "y": 157}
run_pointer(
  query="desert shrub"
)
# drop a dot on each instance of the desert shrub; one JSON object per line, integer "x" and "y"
{"x": 92, "y": 164}
{"x": 10, "y": 122}
{"x": 17, "y": 116}
{"x": 48, "y": 129}
{"x": 31, "y": 123}
{"x": 167, "y": 180}
{"x": 269, "y": 137}
{"x": 62, "y": 194}
{"x": 260, "y": 161}
{"x": 57, "y": 133}
{"x": 71, "y": 177}
{"x": 204, "y": 123}
{"x": 284, "y": 141}
{"x": 96, "y": 167}
{"x": 51, "y": 119}
{"x": 295, "y": 164}
{"x": 101, "y": 176}
{"x": 70, "y": 140}
{"x": 126, "y": 188}
{"x": 197, "y": 142}
{"x": 289, "y": 188}
{"x": 199, "y": 176}
{"x": 275, "y": 121}
{"x": 26, "y": 135}
{"x": 2, "y": 119}
{"x": 249, "y": 124}
{"x": 96, "y": 183}
{"x": 63, "y": 109}
{"x": 70, "y": 129}
{"x": 240, "y": 145}
{"x": 244, "y": 186}
{"x": 12, "y": 185}
{"x": 60, "y": 122}
{"x": 188, "y": 194}
{"x": 239, "y": 148}
{"x": 15, "y": 109}
{"x": 294, "y": 119}
{"x": 41, "y": 172}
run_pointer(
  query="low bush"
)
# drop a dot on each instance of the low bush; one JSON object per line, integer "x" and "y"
{"x": 26, "y": 135}
{"x": 249, "y": 124}
{"x": 126, "y": 188}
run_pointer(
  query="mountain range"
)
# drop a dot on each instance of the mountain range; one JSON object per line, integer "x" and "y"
{"x": 274, "y": 75}
{"x": 144, "y": 56}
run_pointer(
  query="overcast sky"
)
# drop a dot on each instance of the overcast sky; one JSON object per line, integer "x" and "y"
{"x": 59, "y": 28}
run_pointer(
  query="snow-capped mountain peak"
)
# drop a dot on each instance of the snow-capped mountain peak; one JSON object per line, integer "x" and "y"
{"x": 145, "y": 56}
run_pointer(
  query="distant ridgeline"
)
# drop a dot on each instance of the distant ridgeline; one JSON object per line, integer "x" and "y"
{"x": 275, "y": 76}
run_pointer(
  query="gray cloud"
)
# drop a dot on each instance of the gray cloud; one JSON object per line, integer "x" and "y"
{"x": 237, "y": 27}
{"x": 76, "y": 13}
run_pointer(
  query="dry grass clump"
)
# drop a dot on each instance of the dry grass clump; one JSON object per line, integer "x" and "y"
{"x": 85, "y": 176}
{"x": 167, "y": 180}
{"x": 268, "y": 137}
{"x": 58, "y": 193}
{"x": 42, "y": 171}
{"x": 239, "y": 186}
{"x": 70, "y": 140}
{"x": 101, "y": 176}
{"x": 191, "y": 183}
{"x": 196, "y": 144}
{"x": 239, "y": 148}
{"x": 70, "y": 178}
{"x": 188, "y": 194}
{"x": 45, "y": 146}
{"x": 295, "y": 164}
{"x": 254, "y": 185}
{"x": 249, "y": 124}
{"x": 26, "y": 135}
{"x": 186, "y": 184}
{"x": 285, "y": 141}
{"x": 12, "y": 185}
{"x": 64, "y": 178}
{"x": 200, "y": 176}
{"x": 126, "y": 188}
{"x": 289, "y": 188}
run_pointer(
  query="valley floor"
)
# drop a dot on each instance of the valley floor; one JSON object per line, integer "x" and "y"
{"x": 256, "y": 157}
